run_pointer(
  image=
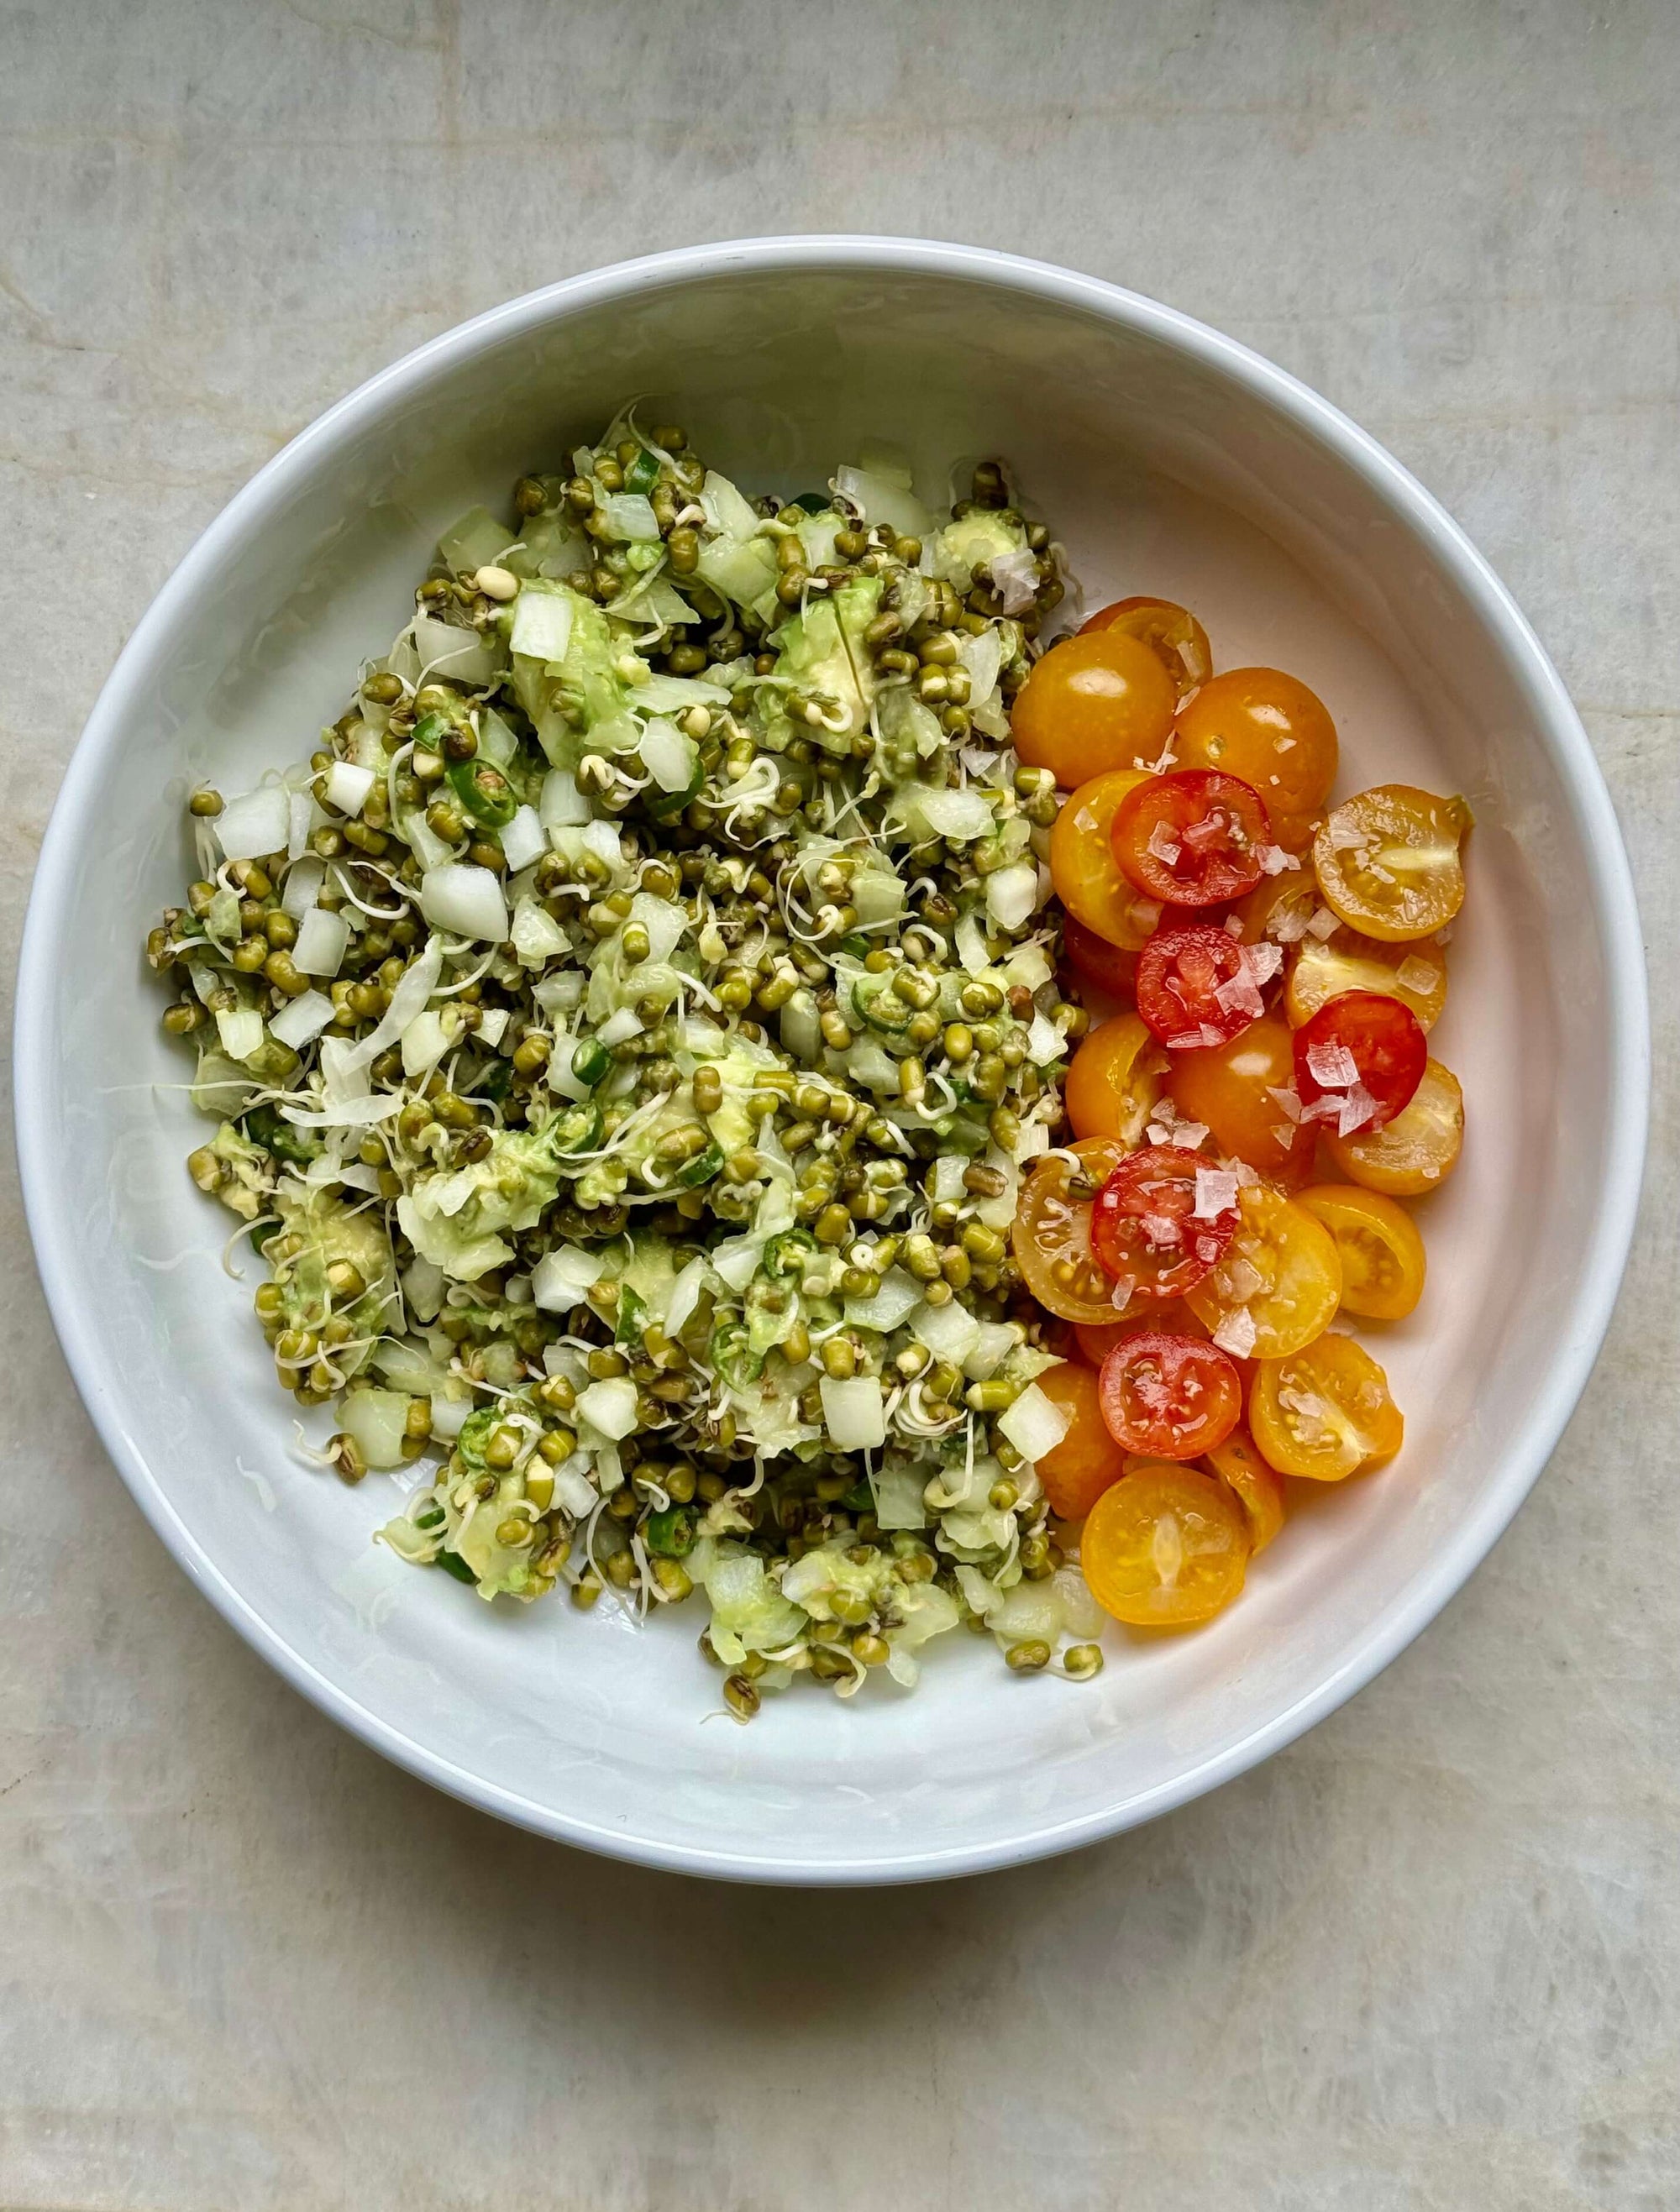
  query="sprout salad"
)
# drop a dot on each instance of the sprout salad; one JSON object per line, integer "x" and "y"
{"x": 627, "y": 1031}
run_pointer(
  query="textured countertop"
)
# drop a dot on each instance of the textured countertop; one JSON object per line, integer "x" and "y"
{"x": 1428, "y": 1958}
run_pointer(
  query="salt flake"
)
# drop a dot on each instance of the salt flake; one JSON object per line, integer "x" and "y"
{"x": 1331, "y": 1066}
{"x": 1237, "y": 1333}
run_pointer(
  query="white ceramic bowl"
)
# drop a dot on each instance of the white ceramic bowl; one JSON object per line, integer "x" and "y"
{"x": 1172, "y": 461}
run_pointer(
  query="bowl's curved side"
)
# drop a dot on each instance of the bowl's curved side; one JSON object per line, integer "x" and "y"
{"x": 47, "y": 1122}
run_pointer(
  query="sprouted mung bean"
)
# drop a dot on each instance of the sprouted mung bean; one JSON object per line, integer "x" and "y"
{"x": 627, "y": 1032}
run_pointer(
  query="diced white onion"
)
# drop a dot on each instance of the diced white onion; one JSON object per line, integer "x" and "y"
{"x": 426, "y": 1040}
{"x": 668, "y": 757}
{"x": 853, "y": 1411}
{"x": 630, "y": 514}
{"x": 301, "y": 813}
{"x": 323, "y": 939}
{"x": 465, "y": 900}
{"x": 378, "y": 1421}
{"x": 897, "y": 1295}
{"x": 560, "y": 1279}
{"x": 257, "y": 824}
{"x": 460, "y": 654}
{"x": 664, "y": 921}
{"x": 602, "y": 839}
{"x": 686, "y": 1294}
{"x": 523, "y": 839}
{"x": 562, "y": 805}
{"x": 449, "y": 1416}
{"x": 1035, "y": 1424}
{"x": 877, "y": 499}
{"x": 348, "y": 785}
{"x": 972, "y": 945}
{"x": 610, "y": 1408}
{"x": 241, "y": 1032}
{"x": 1045, "y": 1042}
{"x": 995, "y": 1342}
{"x": 542, "y": 623}
{"x": 493, "y": 1024}
{"x": 302, "y": 886}
{"x": 302, "y": 1020}
{"x": 949, "y": 1332}
{"x": 619, "y": 1027}
{"x": 959, "y": 816}
{"x": 537, "y": 937}
{"x": 1011, "y": 895}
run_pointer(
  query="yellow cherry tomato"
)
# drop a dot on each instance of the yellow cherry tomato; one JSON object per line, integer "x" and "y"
{"x": 1114, "y": 1080}
{"x": 1168, "y": 629}
{"x": 1087, "y": 877}
{"x": 1280, "y": 1270}
{"x": 1269, "y": 729}
{"x": 1229, "y": 1087}
{"x": 1258, "y": 1491}
{"x": 1279, "y": 906}
{"x": 1381, "y": 1252}
{"x": 1324, "y": 1412}
{"x": 1051, "y": 1233}
{"x": 1097, "y": 701}
{"x": 1323, "y": 968}
{"x": 1387, "y": 861}
{"x": 1418, "y": 1149}
{"x": 1166, "y": 1546}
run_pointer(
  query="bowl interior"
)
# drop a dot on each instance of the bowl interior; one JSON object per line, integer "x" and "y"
{"x": 1163, "y": 472}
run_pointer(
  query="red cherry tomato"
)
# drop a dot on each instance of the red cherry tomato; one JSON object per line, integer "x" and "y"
{"x": 1191, "y": 839}
{"x": 1094, "y": 1340}
{"x": 1105, "y": 966}
{"x": 1173, "y": 1397}
{"x": 1180, "y": 974}
{"x": 1367, "y": 1038}
{"x": 1144, "y": 1230}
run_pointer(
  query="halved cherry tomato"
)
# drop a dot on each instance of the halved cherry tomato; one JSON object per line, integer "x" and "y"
{"x": 1191, "y": 838}
{"x": 1280, "y": 1270}
{"x": 1260, "y": 1493}
{"x": 1100, "y": 965}
{"x": 1168, "y": 629}
{"x": 1051, "y": 1234}
{"x": 1093, "y": 702}
{"x": 1165, "y": 1546}
{"x": 1295, "y": 832}
{"x": 1085, "y": 871}
{"x": 1324, "y": 1412}
{"x": 1419, "y": 1147}
{"x": 1174, "y": 1397}
{"x": 1114, "y": 1079}
{"x": 1381, "y": 1252}
{"x": 1076, "y": 1472}
{"x": 1279, "y": 906}
{"x": 1366, "y": 1039}
{"x": 1323, "y": 967}
{"x": 1266, "y": 727}
{"x": 1145, "y": 1231}
{"x": 1387, "y": 861}
{"x": 1233, "y": 1088}
{"x": 1180, "y": 974}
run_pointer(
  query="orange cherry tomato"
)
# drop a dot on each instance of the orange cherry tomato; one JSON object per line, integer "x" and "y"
{"x": 1269, "y": 729}
{"x": 1146, "y": 1232}
{"x": 1173, "y": 1397}
{"x": 1324, "y": 1412}
{"x": 1295, "y": 832}
{"x": 1114, "y": 1080}
{"x": 1165, "y": 1547}
{"x": 1280, "y": 1272}
{"x": 1419, "y": 1147}
{"x": 1382, "y": 1255}
{"x": 1260, "y": 1493}
{"x": 1387, "y": 861}
{"x": 1083, "y": 868}
{"x": 1414, "y": 971}
{"x": 1192, "y": 838}
{"x": 1096, "y": 1340}
{"x": 1051, "y": 1234}
{"x": 1233, "y": 1090}
{"x": 1168, "y": 629}
{"x": 1102, "y": 966}
{"x": 1279, "y": 908}
{"x": 1076, "y": 1472}
{"x": 1094, "y": 702}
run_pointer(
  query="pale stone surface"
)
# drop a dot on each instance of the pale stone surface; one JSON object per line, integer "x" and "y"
{"x": 1428, "y": 1958}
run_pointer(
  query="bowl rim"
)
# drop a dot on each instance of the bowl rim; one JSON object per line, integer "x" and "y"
{"x": 1609, "y": 887}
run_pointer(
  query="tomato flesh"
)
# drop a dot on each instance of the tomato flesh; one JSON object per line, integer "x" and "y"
{"x": 1166, "y": 1546}
{"x": 1169, "y": 630}
{"x": 1174, "y": 1397}
{"x": 1360, "y": 1059}
{"x": 1113, "y": 1080}
{"x": 1087, "y": 876}
{"x": 1093, "y": 702}
{"x": 1147, "y": 1233}
{"x": 1267, "y": 727}
{"x": 1195, "y": 987}
{"x": 1191, "y": 839}
{"x": 1075, "y": 1472}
